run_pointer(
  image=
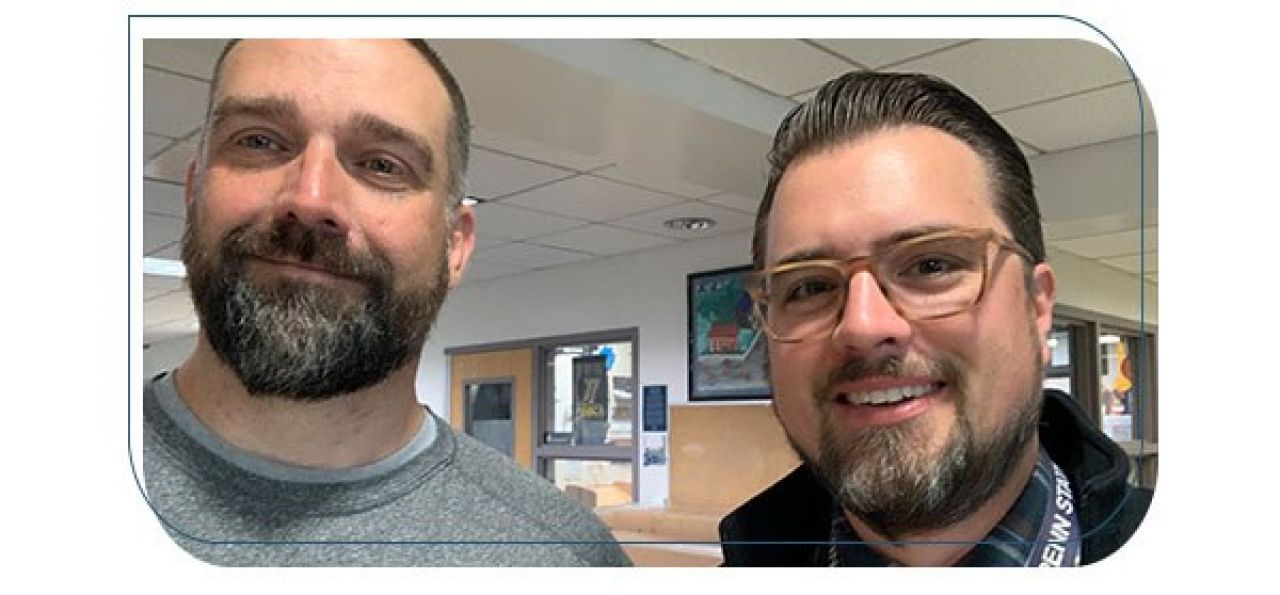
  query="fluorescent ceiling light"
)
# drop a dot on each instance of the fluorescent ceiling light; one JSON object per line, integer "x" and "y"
{"x": 163, "y": 267}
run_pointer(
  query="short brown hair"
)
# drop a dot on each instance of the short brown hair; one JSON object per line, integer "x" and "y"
{"x": 859, "y": 103}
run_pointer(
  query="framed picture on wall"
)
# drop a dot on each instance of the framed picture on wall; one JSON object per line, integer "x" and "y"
{"x": 727, "y": 358}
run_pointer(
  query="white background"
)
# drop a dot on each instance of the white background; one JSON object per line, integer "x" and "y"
{"x": 73, "y": 514}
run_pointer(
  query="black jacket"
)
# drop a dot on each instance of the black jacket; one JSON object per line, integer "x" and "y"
{"x": 798, "y": 509}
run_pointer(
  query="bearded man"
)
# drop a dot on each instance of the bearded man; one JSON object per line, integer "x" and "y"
{"x": 323, "y": 232}
{"x": 901, "y": 280}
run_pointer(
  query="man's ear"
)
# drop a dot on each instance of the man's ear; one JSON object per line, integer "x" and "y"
{"x": 189, "y": 192}
{"x": 1043, "y": 292}
{"x": 462, "y": 238}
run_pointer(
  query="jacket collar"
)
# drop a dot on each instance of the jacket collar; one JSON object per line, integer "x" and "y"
{"x": 788, "y": 524}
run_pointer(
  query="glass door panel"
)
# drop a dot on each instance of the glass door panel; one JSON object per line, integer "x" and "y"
{"x": 592, "y": 394}
{"x": 1117, "y": 384}
{"x": 593, "y": 482}
{"x": 488, "y": 409}
{"x": 586, "y": 396}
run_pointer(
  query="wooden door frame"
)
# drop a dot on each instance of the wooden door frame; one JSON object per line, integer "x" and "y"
{"x": 537, "y": 346}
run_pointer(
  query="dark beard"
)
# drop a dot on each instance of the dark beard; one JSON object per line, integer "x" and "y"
{"x": 881, "y": 477}
{"x": 300, "y": 340}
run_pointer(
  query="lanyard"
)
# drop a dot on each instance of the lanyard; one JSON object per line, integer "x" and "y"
{"x": 1058, "y": 542}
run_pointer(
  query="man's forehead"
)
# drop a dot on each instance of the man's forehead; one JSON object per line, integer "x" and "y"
{"x": 879, "y": 185}
{"x": 387, "y": 77}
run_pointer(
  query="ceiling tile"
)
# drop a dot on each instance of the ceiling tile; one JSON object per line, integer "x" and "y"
{"x": 154, "y": 286}
{"x": 172, "y": 105}
{"x": 513, "y": 145}
{"x": 656, "y": 182}
{"x": 735, "y": 201}
{"x": 501, "y": 221}
{"x": 159, "y": 231}
{"x": 1006, "y": 73}
{"x": 171, "y": 165}
{"x": 1027, "y": 150}
{"x": 782, "y": 66}
{"x": 876, "y": 53}
{"x": 478, "y": 270}
{"x": 591, "y": 198}
{"x": 1123, "y": 243}
{"x": 727, "y": 220}
{"x": 603, "y": 240}
{"x": 168, "y": 308}
{"x": 162, "y": 198}
{"x": 152, "y": 144}
{"x": 1130, "y": 263}
{"x": 485, "y": 240}
{"x": 493, "y": 175}
{"x": 1055, "y": 231}
{"x": 170, "y": 330}
{"x": 171, "y": 251}
{"x": 528, "y": 255}
{"x": 195, "y": 57}
{"x": 1057, "y": 125}
{"x": 804, "y": 96}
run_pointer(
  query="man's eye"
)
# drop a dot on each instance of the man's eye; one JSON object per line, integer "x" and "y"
{"x": 935, "y": 268}
{"x": 257, "y": 142}
{"x": 932, "y": 266}
{"x": 808, "y": 288}
{"x": 384, "y": 166}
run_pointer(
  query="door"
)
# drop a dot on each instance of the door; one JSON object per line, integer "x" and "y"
{"x": 491, "y": 399}
{"x": 586, "y": 407}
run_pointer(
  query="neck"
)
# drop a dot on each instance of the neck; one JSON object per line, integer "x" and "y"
{"x": 346, "y": 431}
{"x": 948, "y": 546}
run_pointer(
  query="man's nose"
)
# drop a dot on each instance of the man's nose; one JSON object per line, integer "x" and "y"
{"x": 869, "y": 324}
{"x": 316, "y": 194}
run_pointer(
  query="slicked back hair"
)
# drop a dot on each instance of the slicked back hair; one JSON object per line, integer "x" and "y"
{"x": 457, "y": 139}
{"x": 857, "y": 104}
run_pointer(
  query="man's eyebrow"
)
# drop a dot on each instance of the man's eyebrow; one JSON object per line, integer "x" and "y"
{"x": 911, "y": 233}
{"x": 826, "y": 253}
{"x": 379, "y": 129}
{"x": 269, "y": 108}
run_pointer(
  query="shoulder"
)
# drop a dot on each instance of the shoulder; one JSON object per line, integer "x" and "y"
{"x": 500, "y": 487}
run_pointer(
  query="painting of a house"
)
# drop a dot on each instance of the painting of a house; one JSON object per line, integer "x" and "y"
{"x": 723, "y": 338}
{"x": 725, "y": 357}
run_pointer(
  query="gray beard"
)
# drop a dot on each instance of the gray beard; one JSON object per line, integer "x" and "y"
{"x": 882, "y": 478}
{"x": 300, "y": 340}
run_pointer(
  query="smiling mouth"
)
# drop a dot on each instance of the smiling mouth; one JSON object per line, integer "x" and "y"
{"x": 305, "y": 270}
{"x": 888, "y": 396}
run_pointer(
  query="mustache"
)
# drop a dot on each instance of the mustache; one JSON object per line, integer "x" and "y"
{"x": 291, "y": 240}
{"x": 855, "y": 369}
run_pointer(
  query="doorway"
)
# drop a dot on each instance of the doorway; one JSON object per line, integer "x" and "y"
{"x": 491, "y": 399}
{"x": 566, "y": 406}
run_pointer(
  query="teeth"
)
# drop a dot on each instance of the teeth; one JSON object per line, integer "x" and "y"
{"x": 892, "y": 395}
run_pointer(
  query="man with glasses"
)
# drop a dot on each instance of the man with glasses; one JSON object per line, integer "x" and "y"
{"x": 902, "y": 283}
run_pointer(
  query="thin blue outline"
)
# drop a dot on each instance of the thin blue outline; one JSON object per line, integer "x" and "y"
{"x": 1138, "y": 380}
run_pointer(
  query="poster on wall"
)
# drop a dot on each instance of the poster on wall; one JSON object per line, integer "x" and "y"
{"x": 727, "y": 358}
{"x": 655, "y": 450}
{"x": 655, "y": 408}
{"x": 590, "y": 399}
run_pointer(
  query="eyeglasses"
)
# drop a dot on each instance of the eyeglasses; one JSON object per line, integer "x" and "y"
{"x": 927, "y": 277}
